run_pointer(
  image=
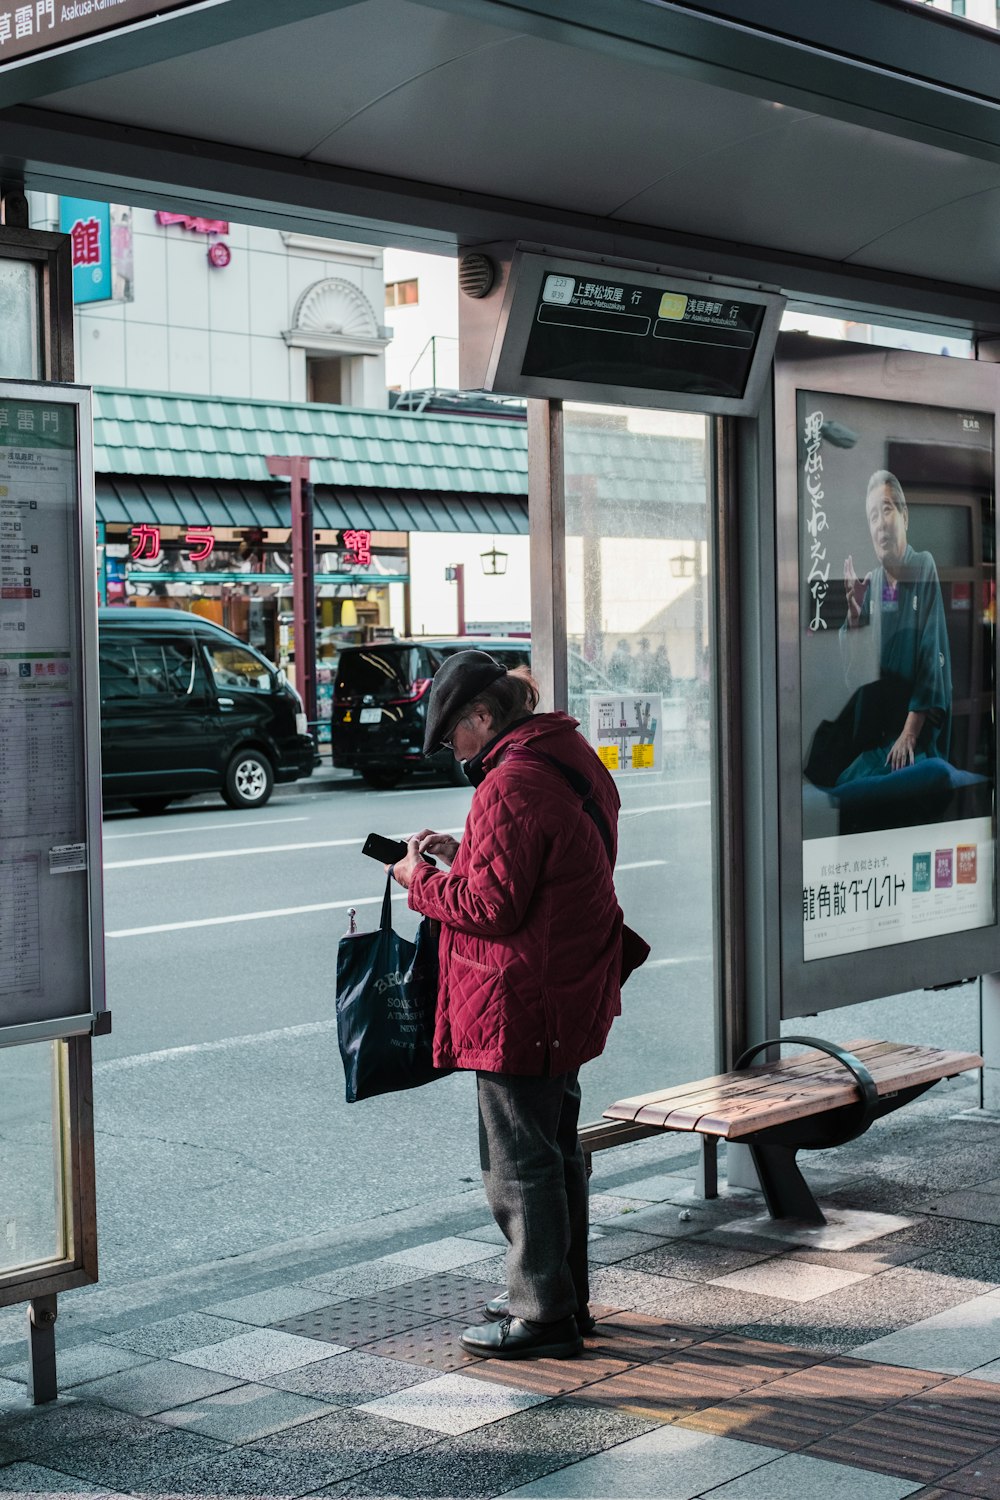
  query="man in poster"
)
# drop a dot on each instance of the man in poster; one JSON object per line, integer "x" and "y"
{"x": 894, "y": 645}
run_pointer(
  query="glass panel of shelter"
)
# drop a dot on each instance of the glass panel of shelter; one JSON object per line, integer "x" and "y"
{"x": 640, "y": 670}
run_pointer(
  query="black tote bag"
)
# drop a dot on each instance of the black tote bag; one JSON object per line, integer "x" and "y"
{"x": 386, "y": 1005}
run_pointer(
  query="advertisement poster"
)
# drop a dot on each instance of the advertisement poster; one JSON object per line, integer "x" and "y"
{"x": 627, "y": 731}
{"x": 897, "y": 613}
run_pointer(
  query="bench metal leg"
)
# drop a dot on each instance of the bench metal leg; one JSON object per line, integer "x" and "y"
{"x": 786, "y": 1192}
{"x": 42, "y": 1313}
{"x": 708, "y": 1168}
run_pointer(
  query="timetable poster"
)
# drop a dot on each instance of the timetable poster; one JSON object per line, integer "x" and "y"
{"x": 44, "y": 973}
{"x": 897, "y": 630}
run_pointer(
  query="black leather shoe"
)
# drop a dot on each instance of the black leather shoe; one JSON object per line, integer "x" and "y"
{"x": 498, "y": 1308}
{"x": 513, "y": 1338}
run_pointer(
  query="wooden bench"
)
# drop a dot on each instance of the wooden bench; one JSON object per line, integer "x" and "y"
{"x": 821, "y": 1098}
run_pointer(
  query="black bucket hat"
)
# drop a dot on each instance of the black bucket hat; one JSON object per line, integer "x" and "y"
{"x": 456, "y": 683}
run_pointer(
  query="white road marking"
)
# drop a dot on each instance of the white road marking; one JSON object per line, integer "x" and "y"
{"x": 178, "y": 859}
{"x": 639, "y": 864}
{"x": 225, "y": 1044}
{"x": 251, "y": 916}
{"x": 159, "y": 833}
{"x": 689, "y": 958}
{"x": 635, "y": 812}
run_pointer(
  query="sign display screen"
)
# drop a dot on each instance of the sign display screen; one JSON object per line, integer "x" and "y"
{"x": 614, "y": 331}
{"x": 597, "y": 331}
{"x": 48, "y": 909}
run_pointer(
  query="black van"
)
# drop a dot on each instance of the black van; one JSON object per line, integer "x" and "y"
{"x": 380, "y": 704}
{"x": 187, "y": 707}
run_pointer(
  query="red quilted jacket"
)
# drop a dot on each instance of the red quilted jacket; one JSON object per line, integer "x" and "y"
{"x": 530, "y": 924}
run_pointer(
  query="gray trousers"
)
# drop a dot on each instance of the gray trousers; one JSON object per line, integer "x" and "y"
{"x": 536, "y": 1185}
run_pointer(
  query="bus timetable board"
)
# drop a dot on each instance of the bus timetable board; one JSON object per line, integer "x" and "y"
{"x": 596, "y": 331}
{"x": 51, "y": 923}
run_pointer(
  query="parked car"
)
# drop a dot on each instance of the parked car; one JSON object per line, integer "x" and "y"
{"x": 380, "y": 704}
{"x": 187, "y": 707}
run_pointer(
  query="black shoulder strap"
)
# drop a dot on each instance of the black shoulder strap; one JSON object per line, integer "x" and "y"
{"x": 584, "y": 790}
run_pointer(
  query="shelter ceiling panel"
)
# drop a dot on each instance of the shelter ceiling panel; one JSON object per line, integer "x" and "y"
{"x": 818, "y": 186}
{"x": 291, "y": 89}
{"x": 457, "y": 127}
{"x": 956, "y": 242}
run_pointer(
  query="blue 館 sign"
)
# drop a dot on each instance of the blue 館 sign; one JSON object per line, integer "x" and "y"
{"x": 88, "y": 225}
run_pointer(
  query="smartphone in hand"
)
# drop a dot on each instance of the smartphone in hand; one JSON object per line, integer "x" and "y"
{"x": 386, "y": 851}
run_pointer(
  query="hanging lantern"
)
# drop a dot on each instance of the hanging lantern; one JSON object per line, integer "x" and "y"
{"x": 494, "y": 562}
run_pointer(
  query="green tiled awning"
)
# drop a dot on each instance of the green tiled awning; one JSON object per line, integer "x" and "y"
{"x": 128, "y": 501}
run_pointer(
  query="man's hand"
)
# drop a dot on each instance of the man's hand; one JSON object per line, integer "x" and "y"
{"x": 441, "y": 845}
{"x": 904, "y": 751}
{"x": 854, "y": 587}
{"x": 402, "y": 871}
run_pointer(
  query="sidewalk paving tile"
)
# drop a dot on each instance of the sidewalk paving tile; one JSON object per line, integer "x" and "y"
{"x": 347, "y": 1442}
{"x": 980, "y": 1208}
{"x": 620, "y": 1244}
{"x": 153, "y": 1387}
{"x": 34, "y": 1479}
{"x": 146, "y": 1460}
{"x": 643, "y": 1467}
{"x": 85, "y": 1362}
{"x": 702, "y": 1375}
{"x": 796, "y": 1475}
{"x": 12, "y": 1391}
{"x": 656, "y": 1188}
{"x": 442, "y": 1255}
{"x": 808, "y": 1404}
{"x": 359, "y": 1321}
{"x": 361, "y": 1280}
{"x": 247, "y": 1471}
{"x": 435, "y": 1346}
{"x": 609, "y": 1208}
{"x": 694, "y": 1260}
{"x": 924, "y": 1437}
{"x": 172, "y": 1336}
{"x": 244, "y": 1413}
{"x": 789, "y": 1280}
{"x": 254, "y": 1355}
{"x": 549, "y": 1377}
{"x": 981, "y": 1477}
{"x": 490, "y": 1460}
{"x": 265, "y": 1308}
{"x": 350, "y": 1379}
{"x": 441, "y": 1296}
{"x": 954, "y": 1341}
{"x": 452, "y": 1403}
{"x": 639, "y": 1338}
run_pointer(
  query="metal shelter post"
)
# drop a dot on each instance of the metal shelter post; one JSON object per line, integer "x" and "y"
{"x": 547, "y": 523}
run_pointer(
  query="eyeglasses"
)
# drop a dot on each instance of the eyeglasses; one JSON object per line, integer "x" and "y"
{"x": 447, "y": 741}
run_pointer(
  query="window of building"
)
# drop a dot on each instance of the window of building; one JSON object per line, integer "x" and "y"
{"x": 401, "y": 293}
{"x": 958, "y": 7}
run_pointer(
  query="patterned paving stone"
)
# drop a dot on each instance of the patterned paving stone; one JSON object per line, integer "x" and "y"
{"x": 360, "y": 1320}
{"x": 804, "y": 1407}
{"x": 981, "y": 1478}
{"x": 796, "y": 1475}
{"x": 924, "y": 1438}
{"x": 637, "y": 1338}
{"x": 548, "y": 1377}
{"x": 433, "y": 1345}
{"x": 441, "y": 1296}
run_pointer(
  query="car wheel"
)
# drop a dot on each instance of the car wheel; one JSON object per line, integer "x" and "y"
{"x": 151, "y": 806}
{"x": 249, "y": 779}
{"x": 381, "y": 781}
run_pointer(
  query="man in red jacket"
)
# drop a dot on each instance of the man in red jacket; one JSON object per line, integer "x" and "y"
{"x": 530, "y": 962}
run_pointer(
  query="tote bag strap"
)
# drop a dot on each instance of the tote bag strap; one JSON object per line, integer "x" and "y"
{"x": 585, "y": 791}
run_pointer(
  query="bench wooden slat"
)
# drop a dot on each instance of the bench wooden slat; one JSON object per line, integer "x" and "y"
{"x": 759, "y": 1073}
{"x": 736, "y": 1104}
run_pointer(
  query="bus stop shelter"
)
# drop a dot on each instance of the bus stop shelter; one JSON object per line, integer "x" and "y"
{"x": 845, "y": 158}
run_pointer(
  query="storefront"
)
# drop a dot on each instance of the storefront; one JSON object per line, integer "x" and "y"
{"x": 188, "y": 517}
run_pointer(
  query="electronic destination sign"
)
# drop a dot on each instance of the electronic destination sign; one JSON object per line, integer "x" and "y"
{"x": 599, "y": 332}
